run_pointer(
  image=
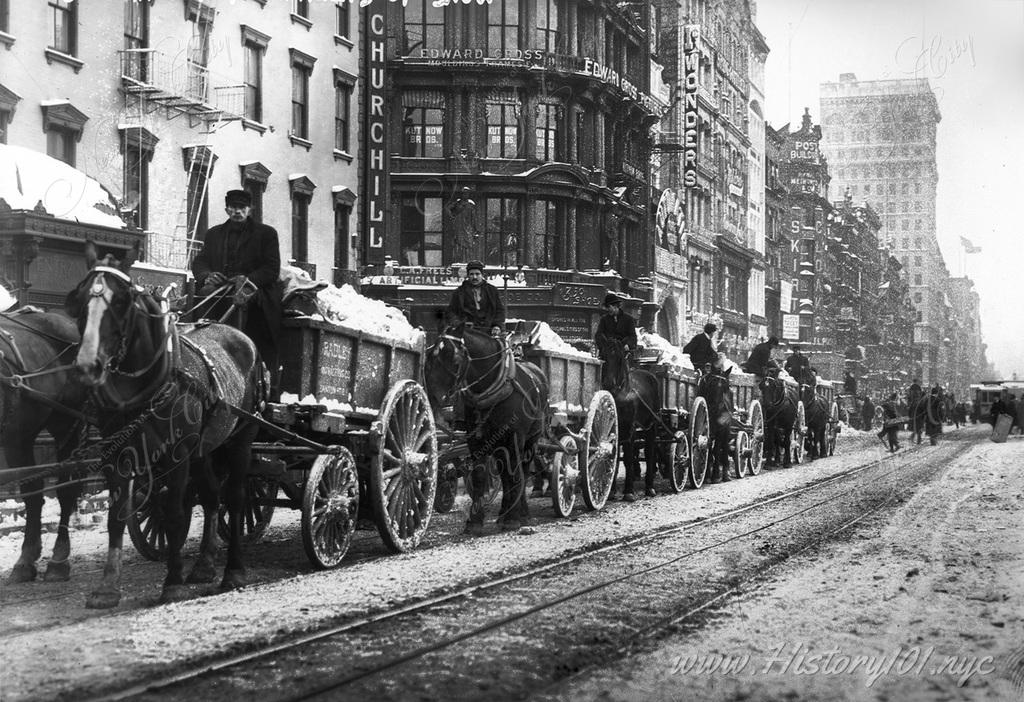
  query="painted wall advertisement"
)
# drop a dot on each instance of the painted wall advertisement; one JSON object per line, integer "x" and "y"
{"x": 691, "y": 120}
{"x": 791, "y": 326}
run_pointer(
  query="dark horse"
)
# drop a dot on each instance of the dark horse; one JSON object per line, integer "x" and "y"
{"x": 637, "y": 396}
{"x": 37, "y": 349}
{"x": 779, "y": 402}
{"x": 510, "y": 402}
{"x": 714, "y": 388}
{"x": 164, "y": 402}
{"x": 816, "y": 415}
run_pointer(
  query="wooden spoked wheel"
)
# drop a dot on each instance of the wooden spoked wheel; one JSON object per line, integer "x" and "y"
{"x": 330, "y": 508}
{"x": 741, "y": 453}
{"x": 833, "y": 429}
{"x": 260, "y": 493}
{"x": 755, "y": 417}
{"x": 678, "y": 462}
{"x": 147, "y": 518}
{"x": 700, "y": 443}
{"x": 565, "y": 473}
{"x": 600, "y": 447}
{"x": 796, "y": 442}
{"x": 403, "y": 473}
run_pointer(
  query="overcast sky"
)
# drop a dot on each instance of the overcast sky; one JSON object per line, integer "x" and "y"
{"x": 972, "y": 52}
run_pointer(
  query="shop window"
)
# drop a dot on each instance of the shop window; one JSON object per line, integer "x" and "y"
{"x": 548, "y": 120}
{"x": 503, "y": 118}
{"x": 547, "y": 234}
{"x": 501, "y": 232}
{"x": 422, "y": 236}
{"x": 423, "y": 128}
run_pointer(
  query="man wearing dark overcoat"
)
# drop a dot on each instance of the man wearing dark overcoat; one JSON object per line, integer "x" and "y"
{"x": 798, "y": 366}
{"x": 890, "y": 428}
{"x": 760, "y": 360}
{"x": 246, "y": 253}
{"x": 477, "y": 302}
{"x": 614, "y": 325}
{"x": 701, "y": 349}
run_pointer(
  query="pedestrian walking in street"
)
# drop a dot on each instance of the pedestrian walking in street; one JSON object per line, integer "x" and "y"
{"x": 890, "y": 426}
{"x": 867, "y": 414}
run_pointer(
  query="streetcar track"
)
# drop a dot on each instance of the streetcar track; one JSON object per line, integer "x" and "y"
{"x": 469, "y": 591}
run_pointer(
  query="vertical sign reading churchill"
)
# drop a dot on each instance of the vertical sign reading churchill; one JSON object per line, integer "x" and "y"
{"x": 691, "y": 122}
{"x": 375, "y": 167}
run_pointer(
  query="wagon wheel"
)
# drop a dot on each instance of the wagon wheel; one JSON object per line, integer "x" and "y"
{"x": 755, "y": 417}
{"x": 600, "y": 446}
{"x": 403, "y": 473}
{"x": 565, "y": 473}
{"x": 258, "y": 509}
{"x": 147, "y": 520}
{"x": 833, "y": 429}
{"x": 678, "y": 463}
{"x": 796, "y": 441}
{"x": 741, "y": 453}
{"x": 700, "y": 443}
{"x": 330, "y": 508}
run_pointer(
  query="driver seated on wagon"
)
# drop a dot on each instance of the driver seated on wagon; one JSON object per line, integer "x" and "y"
{"x": 701, "y": 349}
{"x": 760, "y": 361}
{"x": 615, "y": 326}
{"x": 477, "y": 302}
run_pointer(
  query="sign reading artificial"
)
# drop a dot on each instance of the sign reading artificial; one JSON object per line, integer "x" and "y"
{"x": 691, "y": 119}
{"x": 375, "y": 171}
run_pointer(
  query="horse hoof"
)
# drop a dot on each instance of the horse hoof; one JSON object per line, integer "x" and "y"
{"x": 233, "y": 579}
{"x": 174, "y": 593}
{"x": 651, "y": 492}
{"x": 103, "y": 599}
{"x": 474, "y": 529}
{"x": 22, "y": 573}
{"x": 510, "y": 525}
{"x": 201, "y": 574}
{"x": 57, "y": 572}
{"x": 629, "y": 497}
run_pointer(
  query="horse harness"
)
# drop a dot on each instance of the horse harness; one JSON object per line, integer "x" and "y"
{"x": 498, "y": 390}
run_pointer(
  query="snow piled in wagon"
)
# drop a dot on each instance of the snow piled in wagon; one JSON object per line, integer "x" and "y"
{"x": 668, "y": 353}
{"x": 346, "y": 307}
{"x": 331, "y": 405}
{"x": 545, "y": 338}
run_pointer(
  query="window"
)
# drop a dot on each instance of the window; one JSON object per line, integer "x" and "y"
{"x": 301, "y": 194}
{"x": 503, "y": 27}
{"x": 731, "y": 284}
{"x": 917, "y": 225}
{"x": 422, "y": 231}
{"x": 917, "y": 260}
{"x": 344, "y": 18}
{"x": 200, "y": 18}
{"x": 424, "y": 26}
{"x": 342, "y": 115}
{"x": 423, "y": 128}
{"x": 917, "y": 242}
{"x": 5, "y": 13}
{"x": 867, "y": 189}
{"x": 918, "y": 297}
{"x": 548, "y": 118}
{"x": 920, "y": 316}
{"x": 917, "y": 188}
{"x": 60, "y": 144}
{"x": 302, "y": 68}
{"x": 136, "y": 38}
{"x": 301, "y": 8}
{"x": 8, "y": 103}
{"x": 501, "y": 232}
{"x": 344, "y": 201}
{"x": 255, "y": 177}
{"x": 254, "y": 45}
{"x": 917, "y": 279}
{"x": 546, "y": 228}
{"x": 503, "y": 127}
{"x": 905, "y": 225}
{"x": 137, "y": 145}
{"x": 548, "y": 35}
{"x": 64, "y": 26}
{"x": 5, "y": 119}
{"x": 63, "y": 124}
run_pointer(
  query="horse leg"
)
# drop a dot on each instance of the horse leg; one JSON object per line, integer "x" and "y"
{"x": 20, "y": 453}
{"x": 238, "y": 456}
{"x": 475, "y": 520}
{"x": 632, "y": 466}
{"x": 108, "y": 593}
{"x": 176, "y": 476}
{"x": 207, "y": 486}
{"x": 651, "y": 458}
{"x": 58, "y": 569}
{"x": 514, "y": 486}
{"x": 787, "y": 440}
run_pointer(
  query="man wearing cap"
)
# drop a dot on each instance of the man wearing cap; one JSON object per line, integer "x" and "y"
{"x": 245, "y": 253}
{"x": 798, "y": 366}
{"x": 760, "y": 361}
{"x": 701, "y": 349}
{"x": 614, "y": 326}
{"x": 477, "y": 302}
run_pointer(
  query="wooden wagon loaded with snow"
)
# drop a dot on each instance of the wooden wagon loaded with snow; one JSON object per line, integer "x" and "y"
{"x": 352, "y": 439}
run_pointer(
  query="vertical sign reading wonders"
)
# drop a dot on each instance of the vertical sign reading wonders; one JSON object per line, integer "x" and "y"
{"x": 375, "y": 152}
{"x": 691, "y": 121}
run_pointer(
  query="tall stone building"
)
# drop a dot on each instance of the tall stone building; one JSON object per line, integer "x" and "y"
{"x": 880, "y": 139}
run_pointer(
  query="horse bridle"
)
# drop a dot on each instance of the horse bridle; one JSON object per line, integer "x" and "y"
{"x": 460, "y": 372}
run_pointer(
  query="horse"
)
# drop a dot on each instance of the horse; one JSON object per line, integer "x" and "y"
{"x": 816, "y": 415}
{"x": 637, "y": 396}
{"x": 509, "y": 400}
{"x": 166, "y": 401}
{"x": 714, "y": 388}
{"x": 37, "y": 350}
{"x": 779, "y": 403}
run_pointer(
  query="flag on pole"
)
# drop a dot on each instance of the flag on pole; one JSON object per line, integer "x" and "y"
{"x": 969, "y": 246}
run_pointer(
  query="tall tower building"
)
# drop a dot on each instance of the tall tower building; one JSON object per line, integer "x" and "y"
{"x": 879, "y": 138}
